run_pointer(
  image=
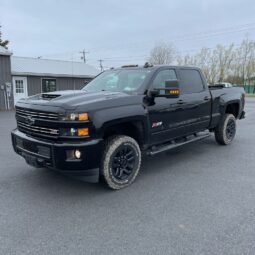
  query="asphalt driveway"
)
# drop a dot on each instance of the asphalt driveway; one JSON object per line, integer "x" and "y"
{"x": 197, "y": 199}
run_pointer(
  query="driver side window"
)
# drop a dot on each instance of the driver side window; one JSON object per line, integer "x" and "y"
{"x": 162, "y": 77}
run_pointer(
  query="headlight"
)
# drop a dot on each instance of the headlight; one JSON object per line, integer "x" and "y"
{"x": 80, "y": 132}
{"x": 76, "y": 116}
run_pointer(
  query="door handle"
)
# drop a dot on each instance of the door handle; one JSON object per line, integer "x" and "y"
{"x": 206, "y": 98}
{"x": 180, "y": 101}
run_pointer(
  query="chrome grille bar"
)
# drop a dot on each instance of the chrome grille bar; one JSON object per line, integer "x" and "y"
{"x": 40, "y": 130}
{"x": 41, "y": 115}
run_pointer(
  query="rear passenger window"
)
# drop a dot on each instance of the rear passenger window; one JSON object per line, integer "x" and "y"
{"x": 191, "y": 81}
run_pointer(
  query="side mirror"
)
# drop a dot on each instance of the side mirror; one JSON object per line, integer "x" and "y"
{"x": 171, "y": 90}
{"x": 153, "y": 93}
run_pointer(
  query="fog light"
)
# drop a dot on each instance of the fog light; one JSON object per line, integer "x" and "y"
{"x": 77, "y": 154}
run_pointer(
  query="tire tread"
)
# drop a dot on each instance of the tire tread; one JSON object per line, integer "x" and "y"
{"x": 220, "y": 130}
{"x": 110, "y": 145}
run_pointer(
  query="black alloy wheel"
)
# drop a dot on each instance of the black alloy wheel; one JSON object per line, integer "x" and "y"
{"x": 225, "y": 131}
{"x": 123, "y": 162}
{"x": 231, "y": 129}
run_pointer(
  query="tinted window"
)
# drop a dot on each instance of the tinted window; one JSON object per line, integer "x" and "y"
{"x": 191, "y": 81}
{"x": 126, "y": 80}
{"x": 162, "y": 77}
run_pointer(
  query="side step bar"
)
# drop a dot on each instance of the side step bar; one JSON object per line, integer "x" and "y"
{"x": 169, "y": 146}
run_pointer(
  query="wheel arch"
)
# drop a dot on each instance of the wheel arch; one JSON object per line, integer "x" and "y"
{"x": 233, "y": 107}
{"x": 133, "y": 127}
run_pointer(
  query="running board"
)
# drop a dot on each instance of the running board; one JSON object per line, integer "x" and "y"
{"x": 189, "y": 139}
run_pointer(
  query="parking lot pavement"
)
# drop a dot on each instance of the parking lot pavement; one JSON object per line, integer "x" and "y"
{"x": 197, "y": 199}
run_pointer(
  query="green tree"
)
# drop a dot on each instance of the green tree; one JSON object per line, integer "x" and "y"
{"x": 3, "y": 43}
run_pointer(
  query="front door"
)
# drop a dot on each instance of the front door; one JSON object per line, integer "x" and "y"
{"x": 19, "y": 88}
{"x": 166, "y": 114}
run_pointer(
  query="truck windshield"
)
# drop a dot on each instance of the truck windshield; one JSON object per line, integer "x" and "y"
{"x": 118, "y": 80}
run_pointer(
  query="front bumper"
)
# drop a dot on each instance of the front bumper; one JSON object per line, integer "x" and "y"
{"x": 54, "y": 155}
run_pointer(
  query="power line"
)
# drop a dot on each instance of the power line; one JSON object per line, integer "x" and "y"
{"x": 184, "y": 37}
{"x": 211, "y": 36}
{"x": 199, "y": 35}
{"x": 232, "y": 29}
{"x": 194, "y": 36}
{"x": 59, "y": 54}
{"x": 136, "y": 56}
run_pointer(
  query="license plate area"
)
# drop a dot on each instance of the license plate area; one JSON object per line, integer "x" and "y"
{"x": 28, "y": 146}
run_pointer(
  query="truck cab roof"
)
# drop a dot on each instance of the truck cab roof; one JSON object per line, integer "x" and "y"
{"x": 146, "y": 65}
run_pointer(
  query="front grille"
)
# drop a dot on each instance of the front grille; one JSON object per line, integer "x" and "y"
{"x": 23, "y": 112}
{"x": 31, "y": 122}
{"x": 37, "y": 131}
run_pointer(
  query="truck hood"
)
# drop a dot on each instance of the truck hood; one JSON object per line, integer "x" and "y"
{"x": 72, "y": 99}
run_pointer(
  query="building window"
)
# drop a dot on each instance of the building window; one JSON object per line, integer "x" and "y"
{"x": 49, "y": 85}
{"x": 19, "y": 86}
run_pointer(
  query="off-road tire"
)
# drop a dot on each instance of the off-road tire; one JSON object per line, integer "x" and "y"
{"x": 112, "y": 146}
{"x": 221, "y": 132}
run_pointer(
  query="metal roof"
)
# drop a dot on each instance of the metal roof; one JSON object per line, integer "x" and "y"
{"x": 4, "y": 51}
{"x": 47, "y": 67}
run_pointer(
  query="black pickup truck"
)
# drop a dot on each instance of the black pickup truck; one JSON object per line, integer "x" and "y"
{"x": 101, "y": 131}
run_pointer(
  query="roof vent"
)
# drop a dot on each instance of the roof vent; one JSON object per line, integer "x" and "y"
{"x": 50, "y": 96}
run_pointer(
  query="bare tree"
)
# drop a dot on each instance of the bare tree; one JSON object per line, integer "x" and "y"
{"x": 215, "y": 63}
{"x": 186, "y": 60}
{"x": 246, "y": 59}
{"x": 162, "y": 53}
{"x": 225, "y": 56}
{"x": 205, "y": 59}
{"x": 235, "y": 64}
{"x": 213, "y": 73}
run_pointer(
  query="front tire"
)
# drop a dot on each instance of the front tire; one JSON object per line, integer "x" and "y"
{"x": 121, "y": 161}
{"x": 226, "y": 130}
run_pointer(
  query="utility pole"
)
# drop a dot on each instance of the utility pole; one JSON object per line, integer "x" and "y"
{"x": 84, "y": 55}
{"x": 101, "y": 65}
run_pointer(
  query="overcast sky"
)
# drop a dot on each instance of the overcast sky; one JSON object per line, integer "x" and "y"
{"x": 121, "y": 32}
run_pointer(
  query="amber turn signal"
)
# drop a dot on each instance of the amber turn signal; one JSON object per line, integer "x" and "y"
{"x": 83, "y": 131}
{"x": 174, "y": 91}
{"x": 83, "y": 116}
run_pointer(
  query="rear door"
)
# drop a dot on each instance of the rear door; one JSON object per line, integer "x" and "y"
{"x": 195, "y": 99}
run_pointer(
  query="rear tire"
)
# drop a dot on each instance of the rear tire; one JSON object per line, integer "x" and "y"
{"x": 226, "y": 130}
{"x": 121, "y": 161}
